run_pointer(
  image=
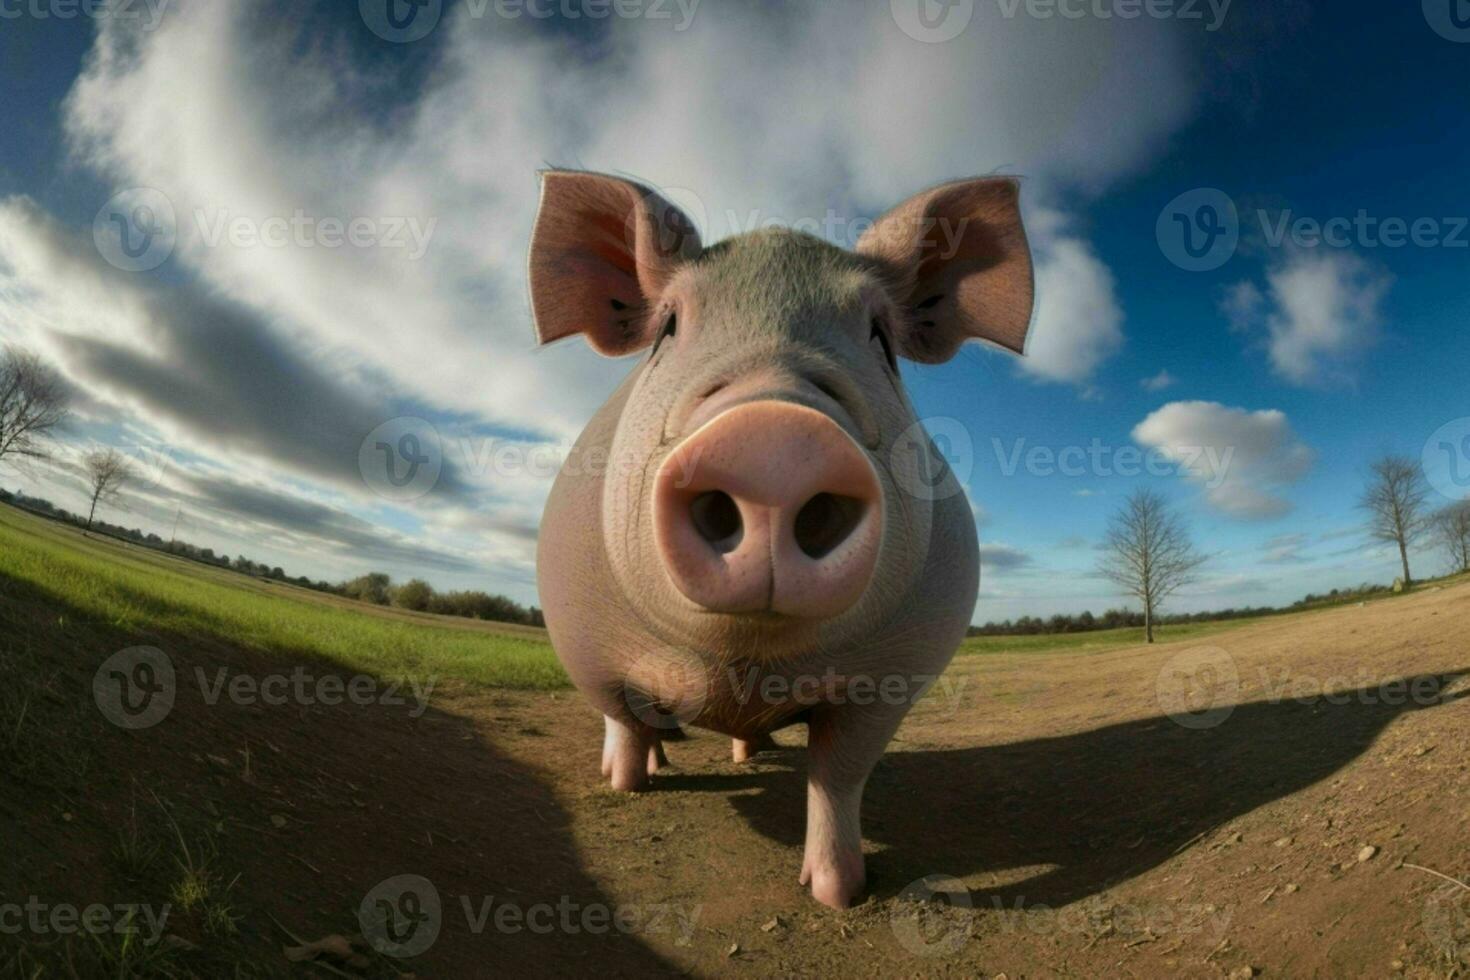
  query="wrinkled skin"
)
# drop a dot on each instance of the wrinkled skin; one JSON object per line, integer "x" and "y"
{"x": 769, "y": 316}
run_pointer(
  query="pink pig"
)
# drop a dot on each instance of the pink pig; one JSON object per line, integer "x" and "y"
{"x": 755, "y": 530}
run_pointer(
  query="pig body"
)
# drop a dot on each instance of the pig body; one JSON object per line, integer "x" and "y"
{"x": 755, "y": 530}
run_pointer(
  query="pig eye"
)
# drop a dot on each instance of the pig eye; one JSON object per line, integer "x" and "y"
{"x": 881, "y": 335}
{"x": 670, "y": 325}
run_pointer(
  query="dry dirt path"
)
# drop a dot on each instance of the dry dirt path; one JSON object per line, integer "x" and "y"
{"x": 1093, "y": 833}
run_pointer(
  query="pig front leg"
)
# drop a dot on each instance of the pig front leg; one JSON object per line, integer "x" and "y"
{"x": 844, "y": 743}
{"x": 631, "y": 752}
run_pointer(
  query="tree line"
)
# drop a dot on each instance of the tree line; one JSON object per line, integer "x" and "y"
{"x": 1086, "y": 622}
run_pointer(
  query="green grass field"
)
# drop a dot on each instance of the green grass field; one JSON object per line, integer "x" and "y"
{"x": 135, "y": 589}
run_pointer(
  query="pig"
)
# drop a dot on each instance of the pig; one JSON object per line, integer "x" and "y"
{"x": 755, "y": 530}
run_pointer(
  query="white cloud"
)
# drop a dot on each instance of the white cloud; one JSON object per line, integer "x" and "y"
{"x": 1242, "y": 306}
{"x": 738, "y": 113}
{"x": 1324, "y": 312}
{"x": 1285, "y": 549}
{"x": 1241, "y": 459}
{"x": 1079, "y": 321}
{"x": 1159, "y": 382}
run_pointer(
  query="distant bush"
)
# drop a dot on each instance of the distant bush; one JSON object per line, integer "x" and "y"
{"x": 415, "y": 594}
{"x": 372, "y": 587}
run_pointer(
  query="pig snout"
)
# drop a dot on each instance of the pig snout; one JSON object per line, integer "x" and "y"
{"x": 769, "y": 506}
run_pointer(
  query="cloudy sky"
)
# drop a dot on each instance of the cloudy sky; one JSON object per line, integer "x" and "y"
{"x": 261, "y": 242}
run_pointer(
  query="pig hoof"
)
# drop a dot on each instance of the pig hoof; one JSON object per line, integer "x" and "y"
{"x": 656, "y": 758}
{"x": 629, "y": 780}
{"x": 745, "y": 749}
{"x": 835, "y": 885}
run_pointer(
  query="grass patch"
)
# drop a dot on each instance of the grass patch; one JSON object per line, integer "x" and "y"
{"x": 136, "y": 591}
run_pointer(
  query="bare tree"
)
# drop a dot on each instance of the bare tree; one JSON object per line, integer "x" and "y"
{"x": 1451, "y": 527}
{"x": 108, "y": 470}
{"x": 1395, "y": 501}
{"x": 1148, "y": 553}
{"x": 32, "y": 402}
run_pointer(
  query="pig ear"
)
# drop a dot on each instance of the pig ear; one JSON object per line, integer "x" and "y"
{"x": 601, "y": 253}
{"x": 958, "y": 265}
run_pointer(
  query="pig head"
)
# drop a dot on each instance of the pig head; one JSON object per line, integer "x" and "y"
{"x": 756, "y": 529}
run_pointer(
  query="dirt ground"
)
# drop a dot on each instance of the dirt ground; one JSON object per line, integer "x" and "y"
{"x": 1269, "y": 800}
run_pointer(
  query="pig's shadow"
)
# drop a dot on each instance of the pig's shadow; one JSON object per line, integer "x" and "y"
{"x": 1097, "y": 807}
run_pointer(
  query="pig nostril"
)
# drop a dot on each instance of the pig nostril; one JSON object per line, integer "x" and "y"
{"x": 825, "y": 521}
{"x": 717, "y": 520}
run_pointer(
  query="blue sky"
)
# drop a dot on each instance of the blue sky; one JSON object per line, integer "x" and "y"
{"x": 246, "y": 377}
